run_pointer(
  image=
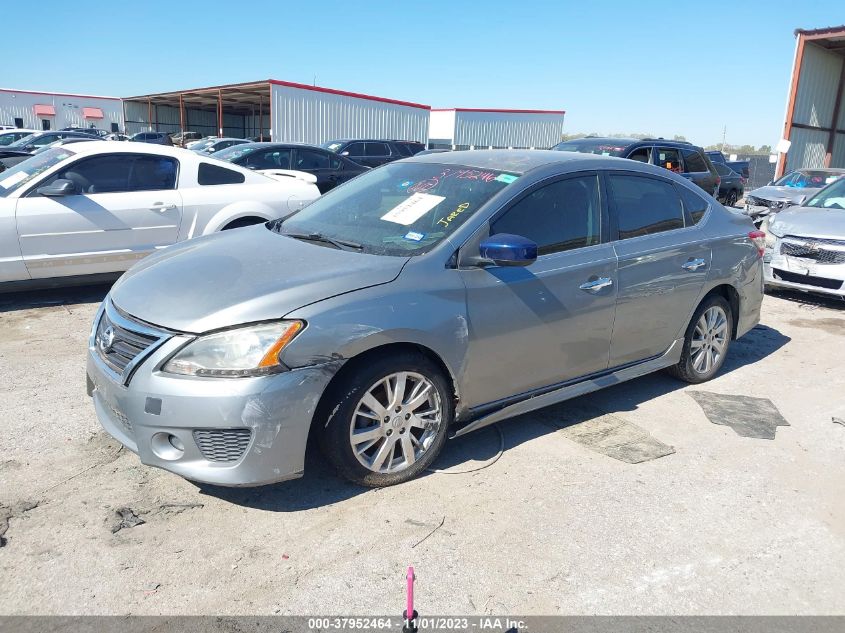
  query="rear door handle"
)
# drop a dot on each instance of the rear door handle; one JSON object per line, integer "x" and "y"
{"x": 594, "y": 285}
{"x": 694, "y": 264}
{"x": 161, "y": 207}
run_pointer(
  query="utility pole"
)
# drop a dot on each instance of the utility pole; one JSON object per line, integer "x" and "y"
{"x": 724, "y": 136}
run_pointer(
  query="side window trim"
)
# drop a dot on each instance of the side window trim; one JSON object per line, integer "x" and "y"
{"x": 603, "y": 208}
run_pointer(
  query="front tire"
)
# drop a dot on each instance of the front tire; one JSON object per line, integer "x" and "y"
{"x": 388, "y": 420}
{"x": 707, "y": 341}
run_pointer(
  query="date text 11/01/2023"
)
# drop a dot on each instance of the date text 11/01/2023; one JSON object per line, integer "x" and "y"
{"x": 428, "y": 623}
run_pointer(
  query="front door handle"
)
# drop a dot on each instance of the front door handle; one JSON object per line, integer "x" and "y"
{"x": 162, "y": 207}
{"x": 694, "y": 264}
{"x": 594, "y": 285}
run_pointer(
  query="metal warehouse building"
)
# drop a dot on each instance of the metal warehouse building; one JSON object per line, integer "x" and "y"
{"x": 815, "y": 112}
{"x": 277, "y": 110}
{"x": 470, "y": 128}
{"x": 54, "y": 111}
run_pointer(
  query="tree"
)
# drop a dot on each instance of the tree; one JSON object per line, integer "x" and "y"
{"x": 679, "y": 137}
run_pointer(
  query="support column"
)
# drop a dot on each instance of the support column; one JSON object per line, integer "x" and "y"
{"x": 181, "y": 116}
{"x": 219, "y": 112}
{"x": 790, "y": 108}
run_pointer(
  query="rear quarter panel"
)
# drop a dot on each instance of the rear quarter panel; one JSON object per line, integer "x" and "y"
{"x": 735, "y": 262}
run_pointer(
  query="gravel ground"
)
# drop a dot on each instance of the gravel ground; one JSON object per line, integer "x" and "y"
{"x": 724, "y": 522}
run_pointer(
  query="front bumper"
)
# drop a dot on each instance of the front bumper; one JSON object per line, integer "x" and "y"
{"x": 797, "y": 273}
{"x": 233, "y": 431}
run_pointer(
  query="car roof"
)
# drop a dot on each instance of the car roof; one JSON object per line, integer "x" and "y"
{"x": 523, "y": 161}
{"x": 627, "y": 142}
{"x": 829, "y": 170}
{"x": 100, "y": 147}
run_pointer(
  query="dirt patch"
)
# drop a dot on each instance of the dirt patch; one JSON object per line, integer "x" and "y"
{"x": 829, "y": 325}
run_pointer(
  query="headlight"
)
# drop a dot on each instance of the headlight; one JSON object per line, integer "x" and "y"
{"x": 771, "y": 236}
{"x": 245, "y": 351}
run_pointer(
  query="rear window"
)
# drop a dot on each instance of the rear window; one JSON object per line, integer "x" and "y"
{"x": 694, "y": 204}
{"x": 645, "y": 206}
{"x": 377, "y": 149}
{"x": 215, "y": 175}
{"x": 693, "y": 162}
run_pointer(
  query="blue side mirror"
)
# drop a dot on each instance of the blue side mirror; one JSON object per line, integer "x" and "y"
{"x": 505, "y": 249}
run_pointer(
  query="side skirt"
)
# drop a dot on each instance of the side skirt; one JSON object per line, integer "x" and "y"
{"x": 533, "y": 402}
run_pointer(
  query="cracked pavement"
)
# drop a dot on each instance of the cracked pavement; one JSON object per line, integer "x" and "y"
{"x": 725, "y": 524}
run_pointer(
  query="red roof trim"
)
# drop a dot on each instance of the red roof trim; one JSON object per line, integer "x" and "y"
{"x": 344, "y": 93}
{"x": 44, "y": 109}
{"x": 498, "y": 110}
{"x": 57, "y": 94}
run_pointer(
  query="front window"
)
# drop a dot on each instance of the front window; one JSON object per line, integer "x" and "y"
{"x": 602, "y": 147}
{"x": 19, "y": 175}
{"x": 832, "y": 197}
{"x": 803, "y": 179}
{"x": 400, "y": 209}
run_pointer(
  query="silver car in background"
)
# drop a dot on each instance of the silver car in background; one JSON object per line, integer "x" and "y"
{"x": 790, "y": 190}
{"x": 805, "y": 246}
{"x": 420, "y": 301}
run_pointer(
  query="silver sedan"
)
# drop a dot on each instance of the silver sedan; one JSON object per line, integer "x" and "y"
{"x": 421, "y": 301}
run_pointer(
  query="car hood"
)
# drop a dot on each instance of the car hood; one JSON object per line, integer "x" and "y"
{"x": 810, "y": 222}
{"x": 242, "y": 276}
{"x": 772, "y": 192}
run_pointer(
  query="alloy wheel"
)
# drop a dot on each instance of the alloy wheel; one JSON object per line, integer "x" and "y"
{"x": 396, "y": 422}
{"x": 709, "y": 340}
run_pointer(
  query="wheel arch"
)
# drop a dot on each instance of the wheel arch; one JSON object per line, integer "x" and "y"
{"x": 730, "y": 294}
{"x": 330, "y": 392}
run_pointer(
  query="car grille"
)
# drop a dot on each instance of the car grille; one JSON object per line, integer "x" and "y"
{"x": 121, "y": 342}
{"x": 821, "y": 250}
{"x": 807, "y": 280}
{"x": 222, "y": 445}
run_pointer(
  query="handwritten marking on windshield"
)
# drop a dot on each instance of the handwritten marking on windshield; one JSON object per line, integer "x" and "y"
{"x": 448, "y": 219}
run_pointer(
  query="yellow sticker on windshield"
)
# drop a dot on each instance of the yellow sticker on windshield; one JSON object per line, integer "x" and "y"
{"x": 413, "y": 208}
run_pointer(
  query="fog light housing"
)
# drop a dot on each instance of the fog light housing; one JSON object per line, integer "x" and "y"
{"x": 167, "y": 446}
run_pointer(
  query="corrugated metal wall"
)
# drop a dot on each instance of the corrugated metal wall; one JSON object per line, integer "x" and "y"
{"x": 816, "y": 95}
{"x": 507, "y": 129}
{"x": 309, "y": 116}
{"x": 808, "y": 149}
{"x": 20, "y": 105}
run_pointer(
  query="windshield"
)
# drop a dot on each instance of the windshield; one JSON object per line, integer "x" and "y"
{"x": 832, "y": 197}
{"x": 26, "y": 140}
{"x": 399, "y": 209}
{"x": 234, "y": 152}
{"x": 801, "y": 179}
{"x": 23, "y": 172}
{"x": 332, "y": 146}
{"x": 200, "y": 145}
{"x": 603, "y": 147}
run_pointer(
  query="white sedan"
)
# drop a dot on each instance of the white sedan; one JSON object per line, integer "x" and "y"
{"x": 84, "y": 212}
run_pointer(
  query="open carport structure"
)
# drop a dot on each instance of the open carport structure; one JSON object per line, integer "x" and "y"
{"x": 277, "y": 110}
{"x": 815, "y": 112}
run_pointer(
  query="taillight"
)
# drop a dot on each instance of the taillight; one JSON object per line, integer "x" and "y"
{"x": 718, "y": 181}
{"x": 759, "y": 240}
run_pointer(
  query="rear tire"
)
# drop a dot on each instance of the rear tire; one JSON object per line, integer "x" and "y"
{"x": 387, "y": 420}
{"x": 707, "y": 341}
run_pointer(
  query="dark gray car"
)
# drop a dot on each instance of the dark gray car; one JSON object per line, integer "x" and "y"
{"x": 420, "y": 301}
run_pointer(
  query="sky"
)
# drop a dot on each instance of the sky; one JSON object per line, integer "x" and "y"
{"x": 663, "y": 68}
